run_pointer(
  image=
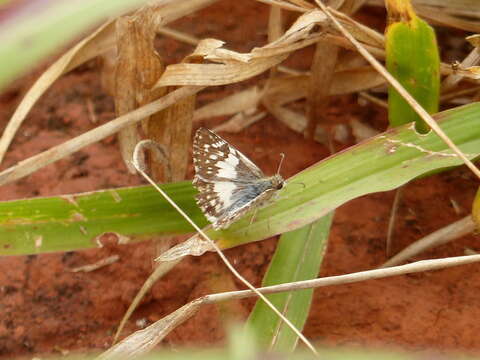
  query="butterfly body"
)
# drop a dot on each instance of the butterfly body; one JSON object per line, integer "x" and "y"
{"x": 229, "y": 184}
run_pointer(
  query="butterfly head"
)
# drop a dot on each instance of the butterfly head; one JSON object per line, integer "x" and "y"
{"x": 277, "y": 182}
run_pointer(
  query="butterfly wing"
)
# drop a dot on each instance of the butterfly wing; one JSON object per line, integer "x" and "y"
{"x": 225, "y": 178}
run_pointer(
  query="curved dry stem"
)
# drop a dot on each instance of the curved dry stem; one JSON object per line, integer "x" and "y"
{"x": 159, "y": 154}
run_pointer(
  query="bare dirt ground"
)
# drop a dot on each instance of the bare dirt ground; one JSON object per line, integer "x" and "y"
{"x": 46, "y": 308}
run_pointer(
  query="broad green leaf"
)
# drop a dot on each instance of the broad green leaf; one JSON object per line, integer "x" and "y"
{"x": 382, "y": 163}
{"x": 73, "y": 222}
{"x": 476, "y": 209}
{"x": 412, "y": 58}
{"x": 298, "y": 256}
{"x": 333, "y": 353}
{"x": 34, "y": 34}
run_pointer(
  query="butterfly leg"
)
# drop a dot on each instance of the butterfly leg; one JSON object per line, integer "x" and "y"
{"x": 252, "y": 219}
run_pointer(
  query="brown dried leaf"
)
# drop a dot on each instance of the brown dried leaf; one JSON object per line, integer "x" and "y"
{"x": 143, "y": 341}
{"x": 321, "y": 78}
{"x": 275, "y": 24}
{"x": 233, "y": 66}
{"x": 474, "y": 40}
{"x": 172, "y": 128}
{"x": 127, "y": 84}
{"x": 216, "y": 74}
{"x": 138, "y": 68}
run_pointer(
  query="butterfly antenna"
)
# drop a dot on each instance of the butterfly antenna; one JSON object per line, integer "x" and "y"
{"x": 282, "y": 156}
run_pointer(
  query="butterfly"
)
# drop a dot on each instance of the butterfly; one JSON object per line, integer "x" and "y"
{"x": 229, "y": 184}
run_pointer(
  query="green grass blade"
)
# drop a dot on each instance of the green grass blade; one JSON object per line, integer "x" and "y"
{"x": 74, "y": 222}
{"x": 412, "y": 57}
{"x": 298, "y": 256}
{"x": 28, "y": 38}
{"x": 380, "y": 164}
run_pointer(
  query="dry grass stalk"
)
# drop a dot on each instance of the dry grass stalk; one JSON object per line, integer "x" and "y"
{"x": 350, "y": 6}
{"x": 178, "y": 35}
{"x": 373, "y": 99}
{"x": 393, "y": 219}
{"x": 458, "y": 93}
{"x": 320, "y": 80}
{"x": 275, "y": 24}
{"x": 275, "y": 30}
{"x": 286, "y": 5}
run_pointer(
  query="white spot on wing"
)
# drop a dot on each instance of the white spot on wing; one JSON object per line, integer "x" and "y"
{"x": 227, "y": 167}
{"x": 224, "y": 191}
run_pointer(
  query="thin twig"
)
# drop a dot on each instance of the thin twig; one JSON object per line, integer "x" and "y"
{"x": 178, "y": 35}
{"x": 397, "y": 86}
{"x": 373, "y": 99}
{"x": 393, "y": 217}
{"x": 226, "y": 261}
{"x": 419, "y": 266}
{"x": 283, "y": 5}
{"x": 457, "y": 93}
{"x": 99, "y": 264}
